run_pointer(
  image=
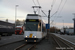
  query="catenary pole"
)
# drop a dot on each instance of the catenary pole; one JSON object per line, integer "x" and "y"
{"x": 49, "y": 20}
{"x": 48, "y": 30}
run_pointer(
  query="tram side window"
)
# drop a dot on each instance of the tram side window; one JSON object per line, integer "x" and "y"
{"x": 43, "y": 29}
{"x": 39, "y": 27}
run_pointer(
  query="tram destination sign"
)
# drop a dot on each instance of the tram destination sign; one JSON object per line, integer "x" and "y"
{"x": 32, "y": 20}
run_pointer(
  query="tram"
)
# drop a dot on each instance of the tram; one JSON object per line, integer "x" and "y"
{"x": 34, "y": 28}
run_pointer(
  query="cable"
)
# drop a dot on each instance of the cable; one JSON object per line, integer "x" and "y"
{"x": 54, "y": 13}
{"x": 38, "y": 2}
{"x": 52, "y": 4}
{"x": 58, "y": 8}
{"x": 39, "y": 5}
{"x": 59, "y": 5}
{"x": 34, "y": 2}
{"x": 43, "y": 12}
{"x": 62, "y": 7}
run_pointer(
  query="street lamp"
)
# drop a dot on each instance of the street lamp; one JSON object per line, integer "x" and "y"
{"x": 15, "y": 13}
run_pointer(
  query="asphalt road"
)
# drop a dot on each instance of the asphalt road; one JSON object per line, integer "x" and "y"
{"x": 10, "y": 39}
{"x": 46, "y": 44}
{"x": 12, "y": 46}
{"x": 43, "y": 45}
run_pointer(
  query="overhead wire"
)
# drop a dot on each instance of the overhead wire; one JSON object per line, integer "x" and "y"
{"x": 59, "y": 5}
{"x": 38, "y": 2}
{"x": 41, "y": 9}
{"x": 34, "y": 2}
{"x": 44, "y": 13}
{"x": 35, "y": 5}
{"x": 54, "y": 13}
{"x": 52, "y": 4}
{"x": 62, "y": 7}
{"x": 58, "y": 8}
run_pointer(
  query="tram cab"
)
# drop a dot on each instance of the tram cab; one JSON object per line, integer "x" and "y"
{"x": 34, "y": 28}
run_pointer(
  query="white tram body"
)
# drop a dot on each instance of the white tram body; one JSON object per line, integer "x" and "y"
{"x": 34, "y": 28}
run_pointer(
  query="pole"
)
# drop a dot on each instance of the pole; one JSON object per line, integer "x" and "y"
{"x": 49, "y": 20}
{"x": 74, "y": 22}
{"x": 48, "y": 31}
{"x": 15, "y": 13}
{"x": 15, "y": 16}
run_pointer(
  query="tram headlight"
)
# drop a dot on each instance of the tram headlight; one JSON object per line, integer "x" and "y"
{"x": 26, "y": 36}
{"x": 34, "y": 36}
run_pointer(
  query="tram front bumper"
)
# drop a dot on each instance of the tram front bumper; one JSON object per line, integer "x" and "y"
{"x": 31, "y": 39}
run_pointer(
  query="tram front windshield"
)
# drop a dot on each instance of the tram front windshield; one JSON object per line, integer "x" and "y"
{"x": 31, "y": 26}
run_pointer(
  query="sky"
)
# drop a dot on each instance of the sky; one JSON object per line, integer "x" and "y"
{"x": 63, "y": 17}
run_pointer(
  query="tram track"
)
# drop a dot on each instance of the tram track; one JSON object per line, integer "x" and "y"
{"x": 33, "y": 46}
{"x": 20, "y": 46}
{"x": 26, "y": 46}
{"x": 10, "y": 43}
{"x": 61, "y": 44}
{"x": 11, "y": 46}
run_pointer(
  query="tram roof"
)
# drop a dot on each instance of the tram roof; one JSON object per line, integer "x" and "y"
{"x": 33, "y": 15}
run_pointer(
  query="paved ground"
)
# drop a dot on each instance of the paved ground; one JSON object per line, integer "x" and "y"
{"x": 12, "y": 46}
{"x": 46, "y": 44}
{"x": 9, "y": 39}
{"x": 43, "y": 45}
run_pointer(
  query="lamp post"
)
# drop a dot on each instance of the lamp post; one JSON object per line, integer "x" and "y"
{"x": 15, "y": 13}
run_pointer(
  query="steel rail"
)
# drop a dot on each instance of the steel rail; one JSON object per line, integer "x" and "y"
{"x": 29, "y": 48}
{"x": 32, "y": 47}
{"x": 10, "y": 43}
{"x": 57, "y": 42}
{"x": 65, "y": 43}
{"x": 62, "y": 42}
{"x": 20, "y": 46}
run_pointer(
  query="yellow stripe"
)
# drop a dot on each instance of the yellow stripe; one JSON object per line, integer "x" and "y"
{"x": 30, "y": 36}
